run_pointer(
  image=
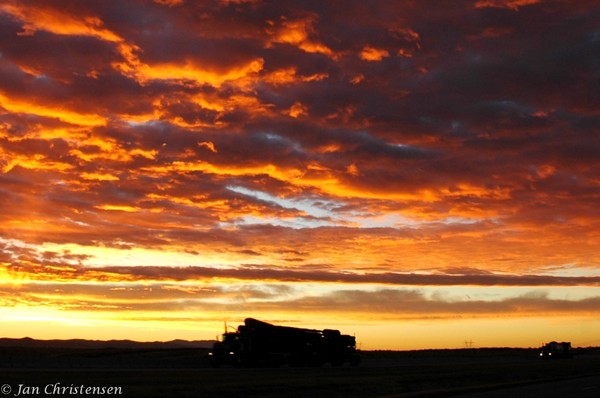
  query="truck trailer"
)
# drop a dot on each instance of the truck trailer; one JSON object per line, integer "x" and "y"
{"x": 261, "y": 344}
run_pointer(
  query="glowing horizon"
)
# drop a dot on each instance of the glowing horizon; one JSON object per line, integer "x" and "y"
{"x": 415, "y": 176}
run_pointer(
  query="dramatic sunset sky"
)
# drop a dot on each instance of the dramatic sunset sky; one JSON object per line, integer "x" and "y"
{"x": 419, "y": 173}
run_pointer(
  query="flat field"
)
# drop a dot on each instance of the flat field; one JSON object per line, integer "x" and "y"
{"x": 185, "y": 373}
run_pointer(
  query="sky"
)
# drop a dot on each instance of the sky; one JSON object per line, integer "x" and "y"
{"x": 421, "y": 174}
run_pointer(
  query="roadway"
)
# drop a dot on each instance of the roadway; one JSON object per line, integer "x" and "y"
{"x": 580, "y": 387}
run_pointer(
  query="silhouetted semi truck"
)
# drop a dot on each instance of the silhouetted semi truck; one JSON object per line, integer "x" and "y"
{"x": 261, "y": 344}
{"x": 555, "y": 350}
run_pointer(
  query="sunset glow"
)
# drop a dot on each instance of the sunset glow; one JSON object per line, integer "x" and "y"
{"x": 414, "y": 175}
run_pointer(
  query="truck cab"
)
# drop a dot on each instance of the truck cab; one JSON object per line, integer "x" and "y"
{"x": 227, "y": 351}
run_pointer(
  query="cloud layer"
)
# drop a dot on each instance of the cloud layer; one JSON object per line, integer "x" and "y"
{"x": 388, "y": 143}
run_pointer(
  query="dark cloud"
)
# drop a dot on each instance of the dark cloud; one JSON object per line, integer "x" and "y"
{"x": 400, "y": 303}
{"x": 65, "y": 266}
{"x": 413, "y": 303}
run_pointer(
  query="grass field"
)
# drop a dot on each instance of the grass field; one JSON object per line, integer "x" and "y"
{"x": 184, "y": 373}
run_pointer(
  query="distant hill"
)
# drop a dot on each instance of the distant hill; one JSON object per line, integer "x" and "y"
{"x": 28, "y": 342}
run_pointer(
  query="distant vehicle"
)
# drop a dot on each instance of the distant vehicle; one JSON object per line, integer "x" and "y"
{"x": 555, "y": 350}
{"x": 261, "y": 344}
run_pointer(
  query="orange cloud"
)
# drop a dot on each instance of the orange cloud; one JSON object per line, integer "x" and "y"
{"x": 297, "y": 32}
{"x": 290, "y": 76}
{"x": 35, "y": 162}
{"x": 209, "y": 145}
{"x": 58, "y": 22}
{"x": 188, "y": 70}
{"x": 372, "y": 54}
{"x": 298, "y": 110}
{"x": 169, "y": 3}
{"x": 514, "y": 4}
{"x": 62, "y": 113}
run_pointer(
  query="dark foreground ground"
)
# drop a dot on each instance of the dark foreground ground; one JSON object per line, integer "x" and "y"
{"x": 184, "y": 372}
